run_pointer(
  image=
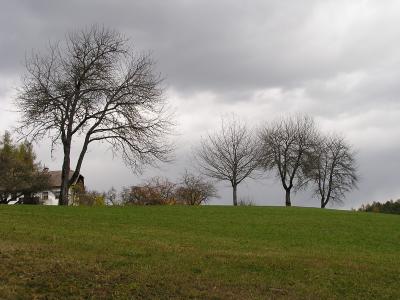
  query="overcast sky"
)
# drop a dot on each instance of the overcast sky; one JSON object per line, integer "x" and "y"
{"x": 338, "y": 61}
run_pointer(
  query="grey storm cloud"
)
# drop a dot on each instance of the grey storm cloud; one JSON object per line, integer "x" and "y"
{"x": 218, "y": 45}
{"x": 336, "y": 60}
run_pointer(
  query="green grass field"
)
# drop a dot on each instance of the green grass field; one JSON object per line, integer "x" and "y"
{"x": 207, "y": 252}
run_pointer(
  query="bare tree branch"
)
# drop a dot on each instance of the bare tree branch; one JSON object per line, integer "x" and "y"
{"x": 332, "y": 167}
{"x": 94, "y": 86}
{"x": 230, "y": 154}
{"x": 284, "y": 146}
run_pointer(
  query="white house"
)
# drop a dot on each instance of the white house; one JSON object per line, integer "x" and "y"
{"x": 52, "y": 195}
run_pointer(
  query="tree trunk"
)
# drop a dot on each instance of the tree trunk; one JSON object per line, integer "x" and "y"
{"x": 65, "y": 176}
{"x": 288, "y": 203}
{"x": 234, "y": 195}
{"x": 323, "y": 202}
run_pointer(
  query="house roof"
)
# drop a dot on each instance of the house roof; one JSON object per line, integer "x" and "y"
{"x": 55, "y": 178}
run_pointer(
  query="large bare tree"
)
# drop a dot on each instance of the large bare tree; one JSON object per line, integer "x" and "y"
{"x": 332, "y": 167}
{"x": 230, "y": 154}
{"x": 94, "y": 86}
{"x": 284, "y": 146}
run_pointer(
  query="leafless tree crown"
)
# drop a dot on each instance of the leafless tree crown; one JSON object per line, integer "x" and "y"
{"x": 284, "y": 145}
{"x": 93, "y": 85}
{"x": 230, "y": 154}
{"x": 332, "y": 167}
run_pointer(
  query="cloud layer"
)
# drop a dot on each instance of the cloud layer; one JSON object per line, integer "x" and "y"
{"x": 338, "y": 61}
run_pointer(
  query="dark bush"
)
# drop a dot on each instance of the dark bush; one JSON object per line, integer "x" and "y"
{"x": 389, "y": 207}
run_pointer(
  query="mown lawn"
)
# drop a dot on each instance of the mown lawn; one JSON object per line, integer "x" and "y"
{"x": 207, "y": 252}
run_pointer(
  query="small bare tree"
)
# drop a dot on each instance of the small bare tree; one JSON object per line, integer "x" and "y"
{"x": 194, "y": 190}
{"x": 230, "y": 154}
{"x": 332, "y": 167}
{"x": 94, "y": 86}
{"x": 284, "y": 146}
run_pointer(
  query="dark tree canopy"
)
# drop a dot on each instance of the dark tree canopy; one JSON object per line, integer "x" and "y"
{"x": 389, "y": 207}
{"x": 285, "y": 144}
{"x": 94, "y": 86}
{"x": 20, "y": 175}
{"x": 332, "y": 167}
{"x": 231, "y": 154}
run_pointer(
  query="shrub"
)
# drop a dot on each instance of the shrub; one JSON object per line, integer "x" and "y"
{"x": 156, "y": 191}
{"x": 89, "y": 198}
{"x": 194, "y": 190}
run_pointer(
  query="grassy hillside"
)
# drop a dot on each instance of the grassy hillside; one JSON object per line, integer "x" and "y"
{"x": 197, "y": 252}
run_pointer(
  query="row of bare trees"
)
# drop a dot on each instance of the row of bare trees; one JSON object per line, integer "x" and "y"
{"x": 291, "y": 147}
{"x": 93, "y": 87}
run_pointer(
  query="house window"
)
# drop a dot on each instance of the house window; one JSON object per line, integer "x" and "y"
{"x": 45, "y": 196}
{"x": 57, "y": 194}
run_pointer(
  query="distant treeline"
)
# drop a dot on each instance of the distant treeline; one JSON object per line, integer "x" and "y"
{"x": 390, "y": 207}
